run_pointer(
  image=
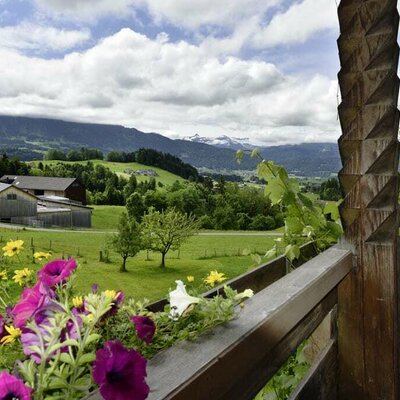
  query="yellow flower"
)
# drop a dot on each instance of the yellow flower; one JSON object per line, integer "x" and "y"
{"x": 21, "y": 276}
{"x": 214, "y": 277}
{"x": 111, "y": 294}
{"x": 41, "y": 255}
{"x": 13, "y": 334}
{"x": 3, "y": 275}
{"x": 77, "y": 301}
{"x": 13, "y": 247}
{"x": 190, "y": 278}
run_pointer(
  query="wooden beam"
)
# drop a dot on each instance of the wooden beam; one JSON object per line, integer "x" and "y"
{"x": 368, "y": 298}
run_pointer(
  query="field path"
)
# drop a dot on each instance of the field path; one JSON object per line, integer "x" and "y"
{"x": 218, "y": 233}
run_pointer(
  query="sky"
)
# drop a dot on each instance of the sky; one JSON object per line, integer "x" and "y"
{"x": 258, "y": 69}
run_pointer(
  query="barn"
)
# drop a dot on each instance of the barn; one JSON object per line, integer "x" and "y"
{"x": 60, "y": 211}
{"x": 16, "y": 205}
{"x": 70, "y": 188}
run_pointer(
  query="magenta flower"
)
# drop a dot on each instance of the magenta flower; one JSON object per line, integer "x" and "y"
{"x": 120, "y": 373}
{"x": 3, "y": 332}
{"x": 32, "y": 300}
{"x": 13, "y": 388}
{"x": 57, "y": 272}
{"x": 145, "y": 327}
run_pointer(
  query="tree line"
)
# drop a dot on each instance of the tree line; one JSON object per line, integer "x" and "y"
{"x": 149, "y": 157}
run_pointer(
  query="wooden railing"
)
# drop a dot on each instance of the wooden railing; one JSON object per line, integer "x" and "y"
{"x": 236, "y": 360}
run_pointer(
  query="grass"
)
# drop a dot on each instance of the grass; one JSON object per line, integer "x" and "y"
{"x": 106, "y": 217}
{"x": 165, "y": 177}
{"x": 144, "y": 278}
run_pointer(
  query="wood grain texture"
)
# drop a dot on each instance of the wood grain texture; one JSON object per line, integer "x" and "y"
{"x": 234, "y": 362}
{"x": 368, "y": 297}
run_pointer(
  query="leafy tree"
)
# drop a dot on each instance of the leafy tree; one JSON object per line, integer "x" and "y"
{"x": 127, "y": 242}
{"x": 167, "y": 230}
{"x": 135, "y": 206}
{"x": 330, "y": 190}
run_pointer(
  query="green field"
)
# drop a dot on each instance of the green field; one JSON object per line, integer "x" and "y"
{"x": 167, "y": 178}
{"x": 106, "y": 217}
{"x": 144, "y": 279}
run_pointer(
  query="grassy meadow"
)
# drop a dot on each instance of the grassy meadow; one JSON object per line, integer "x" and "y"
{"x": 165, "y": 177}
{"x": 144, "y": 277}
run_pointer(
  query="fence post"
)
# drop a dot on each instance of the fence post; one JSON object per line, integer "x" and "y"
{"x": 368, "y": 297}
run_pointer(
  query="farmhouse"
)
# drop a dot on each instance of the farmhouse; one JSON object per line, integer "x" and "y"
{"x": 20, "y": 206}
{"x": 69, "y": 188}
{"x": 16, "y": 203}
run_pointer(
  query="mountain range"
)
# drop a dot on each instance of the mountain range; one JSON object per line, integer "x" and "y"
{"x": 29, "y": 138}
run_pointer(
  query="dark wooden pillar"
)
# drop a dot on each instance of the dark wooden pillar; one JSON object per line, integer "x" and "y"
{"x": 368, "y": 298}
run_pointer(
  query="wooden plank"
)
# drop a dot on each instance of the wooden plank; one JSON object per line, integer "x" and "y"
{"x": 207, "y": 368}
{"x": 368, "y": 298}
{"x": 257, "y": 279}
{"x": 320, "y": 383}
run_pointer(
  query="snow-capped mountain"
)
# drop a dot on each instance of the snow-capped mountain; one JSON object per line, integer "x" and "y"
{"x": 222, "y": 141}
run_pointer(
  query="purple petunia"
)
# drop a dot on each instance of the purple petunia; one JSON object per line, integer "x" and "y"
{"x": 57, "y": 271}
{"x": 2, "y": 326}
{"x": 32, "y": 300}
{"x": 13, "y": 388}
{"x": 145, "y": 327}
{"x": 120, "y": 373}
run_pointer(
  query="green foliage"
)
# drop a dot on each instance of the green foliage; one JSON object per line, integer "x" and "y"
{"x": 330, "y": 190}
{"x": 167, "y": 230}
{"x": 305, "y": 220}
{"x": 287, "y": 378}
{"x": 127, "y": 242}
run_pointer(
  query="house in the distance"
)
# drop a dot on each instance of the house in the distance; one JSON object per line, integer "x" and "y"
{"x": 22, "y": 201}
{"x": 69, "y": 188}
{"x": 16, "y": 204}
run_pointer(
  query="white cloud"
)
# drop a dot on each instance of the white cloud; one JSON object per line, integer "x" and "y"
{"x": 156, "y": 85}
{"x": 86, "y": 10}
{"x": 194, "y": 14}
{"x": 29, "y": 36}
{"x": 298, "y": 23}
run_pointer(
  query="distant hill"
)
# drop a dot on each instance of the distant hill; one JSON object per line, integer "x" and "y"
{"x": 30, "y": 137}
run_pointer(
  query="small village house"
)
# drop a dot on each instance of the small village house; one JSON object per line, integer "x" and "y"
{"x": 69, "y": 188}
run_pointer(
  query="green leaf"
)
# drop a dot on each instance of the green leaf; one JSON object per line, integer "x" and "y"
{"x": 305, "y": 200}
{"x": 256, "y": 258}
{"x": 86, "y": 358}
{"x": 239, "y": 156}
{"x": 94, "y": 337}
{"x": 272, "y": 253}
{"x": 246, "y": 252}
{"x": 66, "y": 358}
{"x": 333, "y": 209}
{"x": 255, "y": 153}
{"x": 275, "y": 190}
{"x": 292, "y": 252}
{"x": 293, "y": 225}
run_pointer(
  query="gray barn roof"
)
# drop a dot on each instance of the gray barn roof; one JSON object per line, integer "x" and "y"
{"x": 3, "y": 186}
{"x": 38, "y": 182}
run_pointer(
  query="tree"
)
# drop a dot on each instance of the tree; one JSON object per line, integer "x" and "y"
{"x": 163, "y": 231}
{"x": 127, "y": 242}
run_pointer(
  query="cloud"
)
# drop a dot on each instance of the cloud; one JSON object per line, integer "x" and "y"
{"x": 179, "y": 88}
{"x": 86, "y": 10}
{"x": 300, "y": 22}
{"x": 30, "y": 36}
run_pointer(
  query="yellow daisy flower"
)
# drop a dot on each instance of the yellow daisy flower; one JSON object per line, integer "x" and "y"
{"x": 22, "y": 276}
{"x": 3, "y": 275}
{"x": 13, "y": 335}
{"x": 111, "y": 294}
{"x": 13, "y": 247}
{"x": 77, "y": 301}
{"x": 190, "y": 278}
{"x": 41, "y": 255}
{"x": 214, "y": 277}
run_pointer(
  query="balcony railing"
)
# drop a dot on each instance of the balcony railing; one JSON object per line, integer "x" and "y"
{"x": 235, "y": 361}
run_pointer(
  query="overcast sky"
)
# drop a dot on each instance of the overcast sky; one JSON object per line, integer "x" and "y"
{"x": 260, "y": 69}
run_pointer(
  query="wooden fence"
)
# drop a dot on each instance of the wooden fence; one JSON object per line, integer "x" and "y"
{"x": 235, "y": 361}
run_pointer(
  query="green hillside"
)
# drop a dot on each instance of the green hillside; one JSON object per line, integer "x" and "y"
{"x": 165, "y": 177}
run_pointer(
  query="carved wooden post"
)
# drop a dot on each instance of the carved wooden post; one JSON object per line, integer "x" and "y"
{"x": 368, "y": 298}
